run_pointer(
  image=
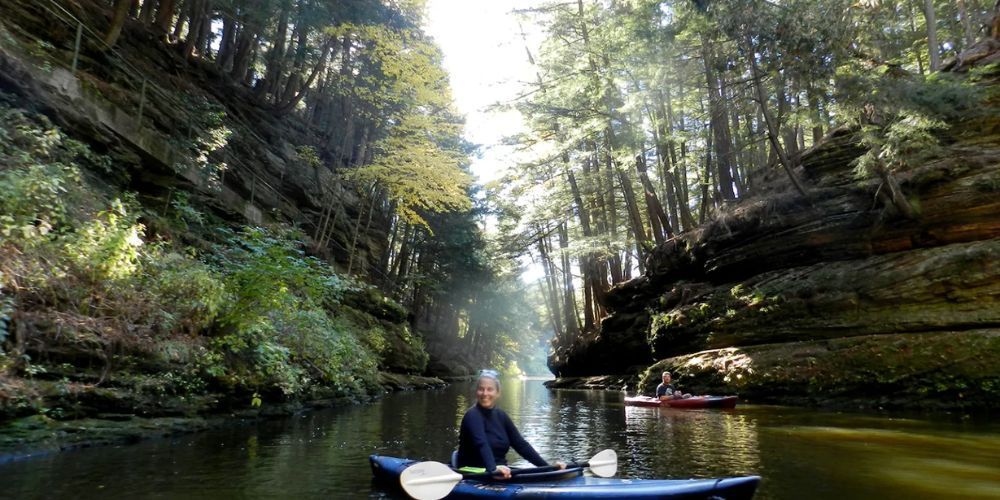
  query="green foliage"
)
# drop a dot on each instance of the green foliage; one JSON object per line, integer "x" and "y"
{"x": 373, "y": 336}
{"x": 206, "y": 132}
{"x": 419, "y": 175}
{"x": 275, "y": 332}
{"x": 264, "y": 302}
{"x": 107, "y": 247}
{"x": 308, "y": 156}
{"x": 902, "y": 120}
{"x": 419, "y": 155}
{"x": 33, "y": 201}
{"x": 189, "y": 293}
{"x": 183, "y": 213}
{"x": 40, "y": 179}
{"x": 894, "y": 145}
{"x": 266, "y": 272}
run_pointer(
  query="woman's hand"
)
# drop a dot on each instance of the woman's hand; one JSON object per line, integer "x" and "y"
{"x": 503, "y": 471}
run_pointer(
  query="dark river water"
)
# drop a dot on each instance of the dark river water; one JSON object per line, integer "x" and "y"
{"x": 801, "y": 454}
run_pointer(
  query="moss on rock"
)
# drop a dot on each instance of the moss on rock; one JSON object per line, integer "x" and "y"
{"x": 931, "y": 370}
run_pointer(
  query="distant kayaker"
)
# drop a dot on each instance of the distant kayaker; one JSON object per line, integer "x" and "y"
{"x": 666, "y": 390}
{"x": 487, "y": 433}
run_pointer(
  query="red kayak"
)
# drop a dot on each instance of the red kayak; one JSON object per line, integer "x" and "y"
{"x": 692, "y": 402}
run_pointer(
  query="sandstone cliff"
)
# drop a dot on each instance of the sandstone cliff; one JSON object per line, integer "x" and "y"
{"x": 835, "y": 299}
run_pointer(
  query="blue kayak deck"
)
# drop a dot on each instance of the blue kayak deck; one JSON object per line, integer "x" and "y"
{"x": 388, "y": 469}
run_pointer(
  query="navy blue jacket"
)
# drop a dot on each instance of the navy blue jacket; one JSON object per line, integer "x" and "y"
{"x": 485, "y": 437}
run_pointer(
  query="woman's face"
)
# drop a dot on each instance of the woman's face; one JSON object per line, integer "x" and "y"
{"x": 487, "y": 392}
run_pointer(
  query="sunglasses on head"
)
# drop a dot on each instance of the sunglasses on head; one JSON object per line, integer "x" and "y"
{"x": 489, "y": 373}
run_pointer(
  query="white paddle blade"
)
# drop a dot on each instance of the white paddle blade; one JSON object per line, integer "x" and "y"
{"x": 604, "y": 464}
{"x": 428, "y": 480}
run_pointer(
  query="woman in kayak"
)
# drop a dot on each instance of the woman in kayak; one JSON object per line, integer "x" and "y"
{"x": 666, "y": 390}
{"x": 487, "y": 433}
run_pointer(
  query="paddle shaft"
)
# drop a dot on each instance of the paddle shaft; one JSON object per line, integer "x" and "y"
{"x": 515, "y": 472}
{"x": 533, "y": 470}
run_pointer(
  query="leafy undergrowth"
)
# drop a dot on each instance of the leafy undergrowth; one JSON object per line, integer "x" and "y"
{"x": 101, "y": 315}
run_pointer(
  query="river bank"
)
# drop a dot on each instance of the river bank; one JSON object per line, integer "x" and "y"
{"x": 40, "y": 434}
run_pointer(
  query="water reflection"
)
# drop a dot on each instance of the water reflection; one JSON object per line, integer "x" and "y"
{"x": 710, "y": 442}
{"x": 930, "y": 463}
{"x": 800, "y": 453}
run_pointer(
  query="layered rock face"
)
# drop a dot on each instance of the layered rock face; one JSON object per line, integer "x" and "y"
{"x": 178, "y": 124}
{"x": 835, "y": 299}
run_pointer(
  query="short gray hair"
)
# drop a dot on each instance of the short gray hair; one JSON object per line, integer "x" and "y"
{"x": 490, "y": 374}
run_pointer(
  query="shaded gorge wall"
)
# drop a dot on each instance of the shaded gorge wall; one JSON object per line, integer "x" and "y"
{"x": 835, "y": 299}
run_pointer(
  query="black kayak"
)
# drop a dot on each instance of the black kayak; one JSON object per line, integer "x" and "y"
{"x": 572, "y": 483}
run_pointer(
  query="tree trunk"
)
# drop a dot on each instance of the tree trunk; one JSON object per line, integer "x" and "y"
{"x": 660, "y": 131}
{"x": 706, "y": 182}
{"x": 788, "y": 133}
{"x": 587, "y": 267}
{"x": 227, "y": 44}
{"x": 297, "y": 96}
{"x": 607, "y": 205}
{"x": 687, "y": 220}
{"x": 245, "y": 42}
{"x": 719, "y": 121}
{"x": 967, "y": 31}
{"x": 589, "y": 317}
{"x": 772, "y": 133}
{"x": 995, "y": 22}
{"x": 118, "y": 17}
{"x": 357, "y": 227}
{"x": 347, "y": 105}
{"x": 147, "y": 11}
{"x": 679, "y": 163}
{"x": 205, "y": 35}
{"x": 362, "y": 150}
{"x": 817, "y": 129}
{"x": 328, "y": 224}
{"x": 892, "y": 193}
{"x": 638, "y": 228}
{"x": 165, "y": 15}
{"x": 932, "y": 44}
{"x": 196, "y": 23}
{"x": 668, "y": 187}
{"x": 551, "y": 288}
{"x": 386, "y": 258}
{"x": 295, "y": 76}
{"x": 571, "y": 321}
{"x": 913, "y": 31}
{"x": 653, "y": 206}
{"x": 275, "y": 56}
{"x": 404, "y": 256}
{"x": 182, "y": 19}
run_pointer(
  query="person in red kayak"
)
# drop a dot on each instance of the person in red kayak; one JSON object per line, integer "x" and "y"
{"x": 487, "y": 433}
{"x": 666, "y": 390}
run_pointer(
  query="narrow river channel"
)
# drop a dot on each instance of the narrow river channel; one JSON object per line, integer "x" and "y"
{"x": 799, "y": 453}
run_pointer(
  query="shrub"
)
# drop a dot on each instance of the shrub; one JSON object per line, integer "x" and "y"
{"x": 107, "y": 247}
{"x": 33, "y": 201}
{"x": 189, "y": 294}
{"x": 275, "y": 331}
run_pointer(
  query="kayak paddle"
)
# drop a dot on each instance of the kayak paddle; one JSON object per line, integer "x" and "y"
{"x": 603, "y": 464}
{"x": 433, "y": 480}
{"x": 429, "y": 480}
